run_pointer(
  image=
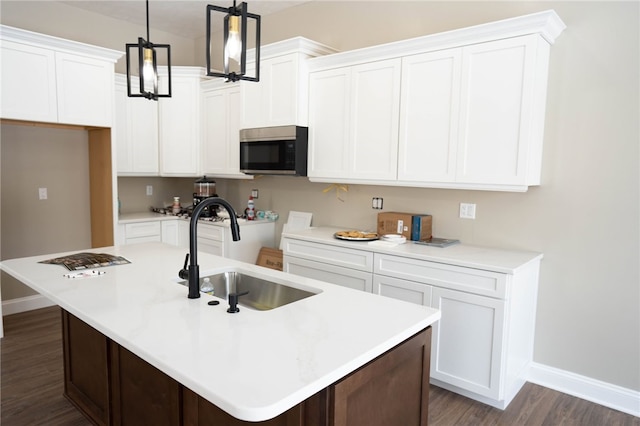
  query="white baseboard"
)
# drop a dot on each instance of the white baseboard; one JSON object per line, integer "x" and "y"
{"x": 606, "y": 394}
{"x": 23, "y": 304}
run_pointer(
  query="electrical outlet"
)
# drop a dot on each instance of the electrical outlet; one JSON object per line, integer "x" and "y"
{"x": 42, "y": 193}
{"x": 376, "y": 203}
{"x": 467, "y": 211}
{"x": 254, "y": 193}
{"x": 149, "y": 189}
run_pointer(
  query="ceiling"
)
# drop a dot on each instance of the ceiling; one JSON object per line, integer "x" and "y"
{"x": 185, "y": 18}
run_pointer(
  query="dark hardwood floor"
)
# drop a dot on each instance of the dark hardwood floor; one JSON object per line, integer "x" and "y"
{"x": 32, "y": 386}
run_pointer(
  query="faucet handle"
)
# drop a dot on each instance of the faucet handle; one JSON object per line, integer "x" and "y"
{"x": 233, "y": 302}
{"x": 184, "y": 272}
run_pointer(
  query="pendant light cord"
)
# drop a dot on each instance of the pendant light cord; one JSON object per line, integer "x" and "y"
{"x": 148, "y": 39}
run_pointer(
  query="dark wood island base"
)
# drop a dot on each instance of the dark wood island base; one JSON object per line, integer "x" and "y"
{"x": 112, "y": 386}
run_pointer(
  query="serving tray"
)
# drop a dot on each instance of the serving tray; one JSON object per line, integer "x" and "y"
{"x": 366, "y": 236}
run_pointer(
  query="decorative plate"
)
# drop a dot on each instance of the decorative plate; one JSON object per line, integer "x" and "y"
{"x": 356, "y": 236}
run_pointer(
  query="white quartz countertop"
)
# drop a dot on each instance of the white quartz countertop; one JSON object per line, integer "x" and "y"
{"x": 253, "y": 364}
{"x": 149, "y": 216}
{"x": 490, "y": 259}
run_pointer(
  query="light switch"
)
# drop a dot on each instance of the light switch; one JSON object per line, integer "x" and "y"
{"x": 467, "y": 211}
{"x": 42, "y": 193}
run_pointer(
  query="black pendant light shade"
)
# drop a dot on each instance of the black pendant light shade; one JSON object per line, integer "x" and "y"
{"x": 234, "y": 22}
{"x": 145, "y": 55}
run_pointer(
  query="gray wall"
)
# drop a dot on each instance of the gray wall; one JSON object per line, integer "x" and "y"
{"x": 33, "y": 158}
{"x": 585, "y": 215}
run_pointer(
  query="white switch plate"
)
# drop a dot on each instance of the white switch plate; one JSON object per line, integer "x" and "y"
{"x": 149, "y": 189}
{"x": 467, "y": 211}
{"x": 254, "y": 193}
{"x": 42, "y": 193}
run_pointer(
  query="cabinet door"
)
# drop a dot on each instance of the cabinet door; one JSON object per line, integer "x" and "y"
{"x": 273, "y": 101}
{"x": 140, "y": 393}
{"x": 353, "y": 122}
{"x": 28, "y": 83}
{"x": 183, "y": 234}
{"x": 329, "y": 117}
{"x": 498, "y": 103}
{"x": 357, "y": 280}
{"x": 429, "y": 116}
{"x": 374, "y": 119}
{"x": 179, "y": 127}
{"x": 86, "y": 373}
{"x": 124, "y": 155}
{"x": 136, "y": 133}
{"x": 393, "y": 389}
{"x": 85, "y": 90}
{"x": 142, "y": 123}
{"x": 170, "y": 232}
{"x": 409, "y": 291}
{"x": 221, "y": 131}
{"x": 467, "y": 347}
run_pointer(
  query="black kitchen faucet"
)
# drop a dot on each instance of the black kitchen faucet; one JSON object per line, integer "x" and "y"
{"x": 193, "y": 273}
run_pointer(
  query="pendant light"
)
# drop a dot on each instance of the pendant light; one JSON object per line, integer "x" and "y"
{"x": 147, "y": 71}
{"x": 234, "y": 24}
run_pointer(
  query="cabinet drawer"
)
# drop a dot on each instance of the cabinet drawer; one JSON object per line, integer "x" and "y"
{"x": 147, "y": 239}
{"x": 478, "y": 281}
{"x": 409, "y": 291}
{"x": 338, "y": 256}
{"x": 206, "y": 245}
{"x": 357, "y": 280}
{"x": 211, "y": 232}
{"x": 142, "y": 229}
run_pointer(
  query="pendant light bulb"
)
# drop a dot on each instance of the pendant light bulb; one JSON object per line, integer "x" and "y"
{"x": 234, "y": 43}
{"x": 148, "y": 74}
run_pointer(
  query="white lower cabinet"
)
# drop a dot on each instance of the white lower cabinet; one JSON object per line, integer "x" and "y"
{"x": 170, "y": 232}
{"x": 468, "y": 342}
{"x": 213, "y": 237}
{"x": 345, "y": 277}
{"x": 142, "y": 232}
{"x": 482, "y": 345}
{"x": 216, "y": 239}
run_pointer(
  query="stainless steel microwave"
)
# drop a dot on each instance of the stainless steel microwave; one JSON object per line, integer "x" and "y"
{"x": 280, "y": 150}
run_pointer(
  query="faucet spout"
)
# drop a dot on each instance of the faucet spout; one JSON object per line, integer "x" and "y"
{"x": 193, "y": 273}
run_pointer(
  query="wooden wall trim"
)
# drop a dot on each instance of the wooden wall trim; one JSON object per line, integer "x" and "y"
{"x": 101, "y": 188}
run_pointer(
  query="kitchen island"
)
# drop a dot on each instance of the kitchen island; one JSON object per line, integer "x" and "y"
{"x": 254, "y": 365}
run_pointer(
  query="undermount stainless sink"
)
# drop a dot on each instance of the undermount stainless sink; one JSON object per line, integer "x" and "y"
{"x": 263, "y": 294}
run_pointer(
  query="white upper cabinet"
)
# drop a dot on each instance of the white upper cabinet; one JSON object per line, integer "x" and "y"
{"x": 354, "y": 121}
{"x": 136, "y": 133}
{"x": 470, "y": 113}
{"x": 85, "y": 90}
{"x": 428, "y": 129}
{"x": 503, "y": 93}
{"x": 179, "y": 119}
{"x": 280, "y": 97}
{"x": 28, "y": 83}
{"x": 48, "y": 79}
{"x": 221, "y": 129}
